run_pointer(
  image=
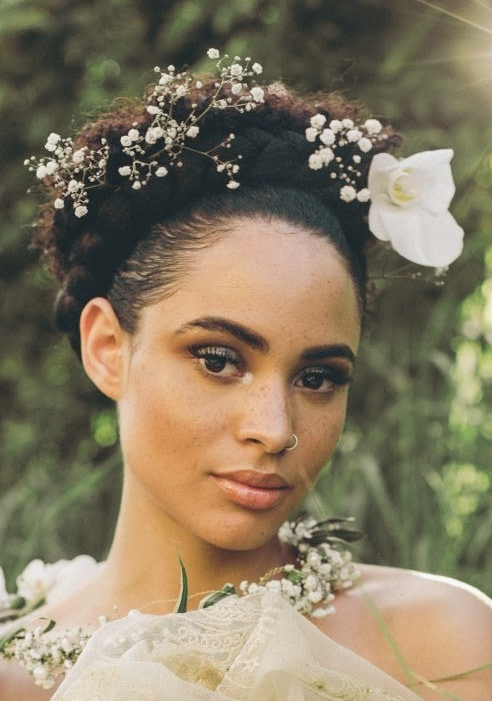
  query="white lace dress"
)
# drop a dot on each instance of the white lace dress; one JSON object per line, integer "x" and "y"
{"x": 248, "y": 648}
{"x": 252, "y": 648}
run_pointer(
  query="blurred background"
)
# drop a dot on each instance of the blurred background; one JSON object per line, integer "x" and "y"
{"x": 414, "y": 465}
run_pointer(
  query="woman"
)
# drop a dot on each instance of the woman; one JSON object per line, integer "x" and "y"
{"x": 211, "y": 249}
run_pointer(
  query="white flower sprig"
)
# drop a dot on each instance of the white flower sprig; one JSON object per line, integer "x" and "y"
{"x": 44, "y": 654}
{"x": 340, "y": 133}
{"x": 323, "y": 566}
{"x": 74, "y": 171}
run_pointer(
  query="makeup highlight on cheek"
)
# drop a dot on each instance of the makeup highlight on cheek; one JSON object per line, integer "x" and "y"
{"x": 247, "y": 378}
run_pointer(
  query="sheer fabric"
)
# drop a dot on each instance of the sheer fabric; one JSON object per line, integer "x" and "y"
{"x": 253, "y": 648}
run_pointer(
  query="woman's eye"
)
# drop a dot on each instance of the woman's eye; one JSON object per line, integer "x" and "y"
{"x": 322, "y": 379}
{"x": 216, "y": 360}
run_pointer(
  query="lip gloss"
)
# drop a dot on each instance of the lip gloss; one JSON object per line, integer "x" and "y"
{"x": 248, "y": 496}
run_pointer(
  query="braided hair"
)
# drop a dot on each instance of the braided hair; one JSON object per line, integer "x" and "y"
{"x": 133, "y": 244}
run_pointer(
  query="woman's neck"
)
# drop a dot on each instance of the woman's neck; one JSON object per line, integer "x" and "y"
{"x": 142, "y": 570}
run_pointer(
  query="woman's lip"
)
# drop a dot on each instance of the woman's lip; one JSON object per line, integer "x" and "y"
{"x": 255, "y": 478}
{"x": 270, "y": 492}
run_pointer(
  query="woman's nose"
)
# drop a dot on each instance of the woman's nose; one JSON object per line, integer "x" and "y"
{"x": 266, "y": 416}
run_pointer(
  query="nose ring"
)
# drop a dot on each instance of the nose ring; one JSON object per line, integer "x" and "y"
{"x": 296, "y": 441}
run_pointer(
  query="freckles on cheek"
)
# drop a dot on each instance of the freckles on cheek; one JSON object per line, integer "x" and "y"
{"x": 323, "y": 437}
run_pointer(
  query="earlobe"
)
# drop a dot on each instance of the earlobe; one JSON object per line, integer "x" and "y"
{"x": 103, "y": 345}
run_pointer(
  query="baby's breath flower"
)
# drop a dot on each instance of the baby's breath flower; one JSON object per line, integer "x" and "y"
{"x": 78, "y": 156}
{"x": 353, "y": 135}
{"x": 258, "y": 94}
{"x": 257, "y": 68}
{"x": 193, "y": 132}
{"x": 311, "y": 134}
{"x": 161, "y": 172}
{"x": 318, "y": 121}
{"x": 373, "y": 126}
{"x": 236, "y": 70}
{"x": 364, "y": 195}
{"x": 327, "y": 137}
{"x": 213, "y": 53}
{"x": 80, "y": 211}
{"x": 364, "y": 144}
{"x": 326, "y": 154}
{"x": 315, "y": 161}
{"x": 125, "y": 170}
{"x": 348, "y": 193}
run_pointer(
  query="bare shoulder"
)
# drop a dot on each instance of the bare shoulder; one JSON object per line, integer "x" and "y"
{"x": 391, "y": 586}
{"x": 435, "y": 626}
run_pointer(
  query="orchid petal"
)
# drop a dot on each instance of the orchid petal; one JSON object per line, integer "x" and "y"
{"x": 376, "y": 221}
{"x": 423, "y": 238}
{"x": 382, "y": 165}
{"x": 433, "y": 170}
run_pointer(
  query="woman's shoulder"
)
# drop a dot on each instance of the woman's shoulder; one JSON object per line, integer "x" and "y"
{"x": 445, "y": 604}
{"x": 436, "y": 626}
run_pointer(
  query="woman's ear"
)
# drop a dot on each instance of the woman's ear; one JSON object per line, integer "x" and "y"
{"x": 103, "y": 346}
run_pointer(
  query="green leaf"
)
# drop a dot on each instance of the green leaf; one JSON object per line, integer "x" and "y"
{"x": 295, "y": 576}
{"x": 183, "y": 594}
{"x": 6, "y": 639}
{"x": 50, "y": 625}
{"x": 227, "y": 590}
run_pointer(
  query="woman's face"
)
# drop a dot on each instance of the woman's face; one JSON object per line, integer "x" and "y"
{"x": 257, "y": 344}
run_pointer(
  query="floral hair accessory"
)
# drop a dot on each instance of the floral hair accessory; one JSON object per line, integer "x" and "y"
{"x": 409, "y": 206}
{"x": 409, "y": 198}
{"x": 339, "y": 133}
{"x": 73, "y": 171}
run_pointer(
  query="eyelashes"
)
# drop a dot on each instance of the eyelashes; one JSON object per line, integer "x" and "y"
{"x": 218, "y": 360}
{"x": 224, "y": 364}
{"x": 323, "y": 378}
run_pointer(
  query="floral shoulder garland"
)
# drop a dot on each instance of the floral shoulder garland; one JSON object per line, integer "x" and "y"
{"x": 322, "y": 567}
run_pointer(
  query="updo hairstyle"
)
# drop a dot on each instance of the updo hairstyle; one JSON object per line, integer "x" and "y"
{"x": 133, "y": 245}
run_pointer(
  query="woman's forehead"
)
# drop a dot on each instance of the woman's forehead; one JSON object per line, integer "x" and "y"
{"x": 271, "y": 277}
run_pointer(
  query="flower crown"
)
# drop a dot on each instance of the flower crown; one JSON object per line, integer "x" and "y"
{"x": 409, "y": 198}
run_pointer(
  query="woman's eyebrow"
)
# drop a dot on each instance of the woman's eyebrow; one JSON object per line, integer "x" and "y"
{"x": 338, "y": 350}
{"x": 217, "y": 323}
{"x": 259, "y": 343}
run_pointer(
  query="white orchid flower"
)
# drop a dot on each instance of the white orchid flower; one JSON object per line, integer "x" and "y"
{"x": 409, "y": 206}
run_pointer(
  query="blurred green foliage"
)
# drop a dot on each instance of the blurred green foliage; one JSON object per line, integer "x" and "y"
{"x": 414, "y": 463}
